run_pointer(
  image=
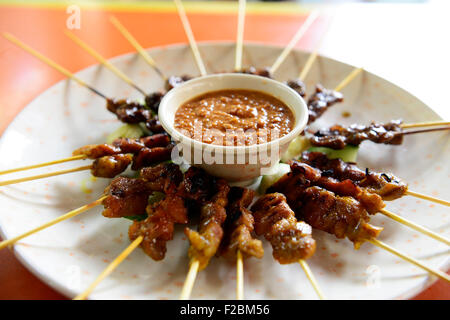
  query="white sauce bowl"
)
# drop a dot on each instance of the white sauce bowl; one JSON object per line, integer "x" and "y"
{"x": 234, "y": 163}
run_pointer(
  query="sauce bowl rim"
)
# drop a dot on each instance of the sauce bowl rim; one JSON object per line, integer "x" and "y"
{"x": 299, "y": 110}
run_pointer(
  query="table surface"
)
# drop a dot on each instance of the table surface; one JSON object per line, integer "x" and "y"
{"x": 403, "y": 43}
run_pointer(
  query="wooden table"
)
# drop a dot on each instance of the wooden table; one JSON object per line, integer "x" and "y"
{"x": 404, "y": 43}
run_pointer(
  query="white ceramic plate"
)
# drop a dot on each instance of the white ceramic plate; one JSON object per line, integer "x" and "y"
{"x": 71, "y": 254}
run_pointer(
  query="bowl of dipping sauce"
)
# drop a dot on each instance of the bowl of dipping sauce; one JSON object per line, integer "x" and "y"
{"x": 234, "y": 126}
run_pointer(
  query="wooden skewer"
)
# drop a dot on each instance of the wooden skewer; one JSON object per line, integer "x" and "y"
{"x": 110, "y": 268}
{"x": 51, "y": 63}
{"x": 190, "y": 280}
{"x": 311, "y": 278}
{"x": 299, "y": 34}
{"x": 425, "y": 124}
{"x": 44, "y": 164}
{"x": 403, "y": 256}
{"x": 132, "y": 40}
{"x": 426, "y": 197}
{"x": 190, "y": 36}
{"x": 45, "y": 175}
{"x": 73, "y": 213}
{"x": 348, "y": 79}
{"x": 103, "y": 61}
{"x": 426, "y": 130}
{"x": 239, "y": 276}
{"x": 240, "y": 35}
{"x": 415, "y": 226}
{"x": 312, "y": 57}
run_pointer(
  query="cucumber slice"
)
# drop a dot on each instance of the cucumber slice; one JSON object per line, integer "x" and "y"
{"x": 295, "y": 149}
{"x": 348, "y": 154}
{"x": 132, "y": 131}
{"x": 279, "y": 170}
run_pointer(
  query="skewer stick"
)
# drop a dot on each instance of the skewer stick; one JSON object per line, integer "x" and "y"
{"x": 45, "y": 175}
{"x": 132, "y": 40}
{"x": 429, "y": 198}
{"x": 103, "y": 61}
{"x": 190, "y": 279}
{"x": 311, "y": 278}
{"x": 312, "y": 57}
{"x": 403, "y": 256}
{"x": 110, "y": 268}
{"x": 44, "y": 164}
{"x": 50, "y": 62}
{"x": 348, "y": 79}
{"x": 415, "y": 226}
{"x": 301, "y": 31}
{"x": 426, "y": 130}
{"x": 73, "y": 213}
{"x": 190, "y": 36}
{"x": 240, "y": 35}
{"x": 425, "y": 124}
{"x": 239, "y": 276}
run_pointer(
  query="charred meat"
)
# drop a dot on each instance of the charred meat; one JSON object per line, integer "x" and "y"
{"x": 386, "y": 185}
{"x": 298, "y": 85}
{"x": 337, "y": 137}
{"x": 321, "y": 100}
{"x": 291, "y": 240}
{"x": 239, "y": 226}
{"x": 205, "y": 242}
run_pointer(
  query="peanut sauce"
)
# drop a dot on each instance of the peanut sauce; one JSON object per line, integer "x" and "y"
{"x": 234, "y": 117}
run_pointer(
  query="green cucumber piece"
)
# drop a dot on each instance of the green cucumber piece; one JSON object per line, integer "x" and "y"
{"x": 268, "y": 180}
{"x": 132, "y": 131}
{"x": 348, "y": 154}
{"x": 295, "y": 149}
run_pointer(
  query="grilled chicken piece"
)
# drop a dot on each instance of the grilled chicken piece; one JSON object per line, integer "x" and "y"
{"x": 386, "y": 185}
{"x": 205, "y": 242}
{"x": 239, "y": 226}
{"x": 321, "y": 100}
{"x": 126, "y": 197}
{"x": 291, "y": 240}
{"x": 341, "y": 216}
{"x": 298, "y": 85}
{"x": 110, "y": 166}
{"x": 158, "y": 227}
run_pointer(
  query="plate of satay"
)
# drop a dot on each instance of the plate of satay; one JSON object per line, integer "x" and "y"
{"x": 183, "y": 190}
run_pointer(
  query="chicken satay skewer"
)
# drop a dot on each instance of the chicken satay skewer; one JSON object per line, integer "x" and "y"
{"x": 190, "y": 36}
{"x": 132, "y": 40}
{"x": 295, "y": 39}
{"x": 390, "y": 214}
{"x": 51, "y": 63}
{"x": 110, "y": 268}
{"x": 240, "y": 36}
{"x": 73, "y": 213}
{"x": 103, "y": 61}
